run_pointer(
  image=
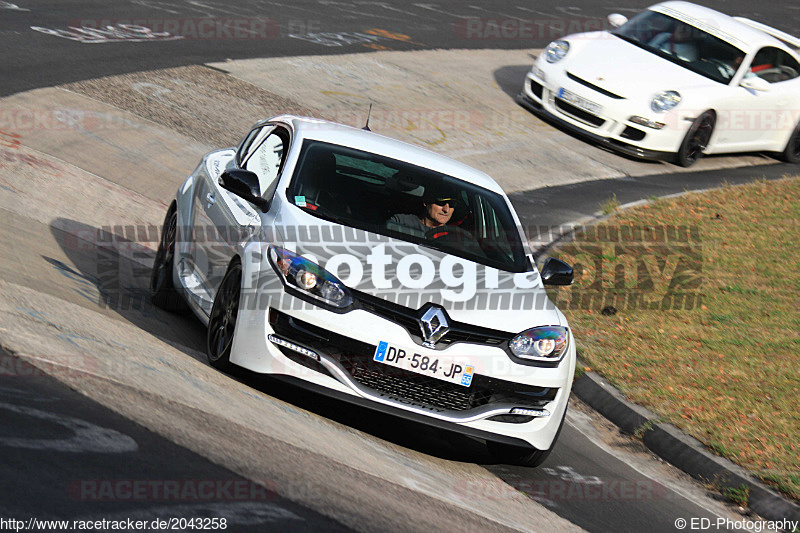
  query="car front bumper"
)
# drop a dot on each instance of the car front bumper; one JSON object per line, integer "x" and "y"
{"x": 610, "y": 127}
{"x": 336, "y": 358}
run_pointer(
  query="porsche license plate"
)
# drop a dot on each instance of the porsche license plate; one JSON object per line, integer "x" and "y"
{"x": 447, "y": 368}
{"x": 579, "y": 101}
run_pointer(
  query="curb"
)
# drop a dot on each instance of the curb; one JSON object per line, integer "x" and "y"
{"x": 679, "y": 449}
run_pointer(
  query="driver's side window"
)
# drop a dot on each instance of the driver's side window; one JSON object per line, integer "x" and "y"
{"x": 265, "y": 156}
{"x": 774, "y": 65}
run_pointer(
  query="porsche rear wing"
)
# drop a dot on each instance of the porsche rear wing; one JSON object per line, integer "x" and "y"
{"x": 769, "y": 30}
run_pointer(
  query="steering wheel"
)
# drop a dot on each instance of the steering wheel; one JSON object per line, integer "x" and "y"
{"x": 725, "y": 69}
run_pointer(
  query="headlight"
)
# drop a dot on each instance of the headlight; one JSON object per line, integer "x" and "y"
{"x": 546, "y": 343}
{"x": 665, "y": 100}
{"x": 310, "y": 278}
{"x": 556, "y": 51}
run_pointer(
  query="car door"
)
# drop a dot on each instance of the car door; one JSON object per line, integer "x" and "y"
{"x": 227, "y": 218}
{"x": 759, "y": 120}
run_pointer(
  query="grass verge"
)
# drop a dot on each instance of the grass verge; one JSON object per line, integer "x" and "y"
{"x": 696, "y": 315}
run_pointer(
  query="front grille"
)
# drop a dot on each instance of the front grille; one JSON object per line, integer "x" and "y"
{"x": 536, "y": 88}
{"x": 355, "y": 357}
{"x": 409, "y": 319}
{"x": 431, "y": 391}
{"x": 578, "y": 113}
{"x": 594, "y": 87}
{"x": 415, "y": 388}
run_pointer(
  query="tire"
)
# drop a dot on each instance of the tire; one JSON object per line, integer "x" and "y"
{"x": 522, "y": 456}
{"x": 696, "y": 139}
{"x": 791, "y": 154}
{"x": 162, "y": 290}
{"x": 222, "y": 322}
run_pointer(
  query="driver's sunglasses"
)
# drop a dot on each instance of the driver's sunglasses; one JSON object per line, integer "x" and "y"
{"x": 441, "y": 202}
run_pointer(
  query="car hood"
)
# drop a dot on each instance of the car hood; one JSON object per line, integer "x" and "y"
{"x": 629, "y": 71}
{"x": 413, "y": 275}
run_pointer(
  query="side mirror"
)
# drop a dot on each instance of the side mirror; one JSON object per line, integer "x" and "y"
{"x": 244, "y": 184}
{"x": 556, "y": 272}
{"x": 616, "y": 20}
{"x": 756, "y": 84}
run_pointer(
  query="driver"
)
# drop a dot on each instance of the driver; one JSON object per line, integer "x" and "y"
{"x": 438, "y": 209}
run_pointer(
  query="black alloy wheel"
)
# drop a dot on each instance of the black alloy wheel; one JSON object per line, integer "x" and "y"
{"x": 222, "y": 322}
{"x": 791, "y": 154}
{"x": 696, "y": 140}
{"x": 162, "y": 290}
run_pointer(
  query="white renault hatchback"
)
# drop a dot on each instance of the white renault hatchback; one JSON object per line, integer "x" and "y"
{"x": 371, "y": 270}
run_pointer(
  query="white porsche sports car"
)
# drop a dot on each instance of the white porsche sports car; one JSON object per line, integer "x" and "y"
{"x": 674, "y": 82}
{"x": 371, "y": 270}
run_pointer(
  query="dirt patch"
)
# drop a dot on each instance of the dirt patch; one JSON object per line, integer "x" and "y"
{"x": 203, "y": 103}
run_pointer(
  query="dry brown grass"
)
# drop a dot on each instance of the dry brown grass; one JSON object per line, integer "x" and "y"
{"x": 728, "y": 370}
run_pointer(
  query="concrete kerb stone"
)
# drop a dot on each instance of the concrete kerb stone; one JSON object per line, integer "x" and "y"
{"x": 679, "y": 449}
{"x": 609, "y": 402}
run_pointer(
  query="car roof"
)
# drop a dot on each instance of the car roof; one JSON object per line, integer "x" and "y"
{"x": 719, "y": 24}
{"x": 334, "y": 133}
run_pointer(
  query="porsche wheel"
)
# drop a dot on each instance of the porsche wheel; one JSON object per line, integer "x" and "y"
{"x": 222, "y": 322}
{"x": 696, "y": 139}
{"x": 791, "y": 154}
{"x": 162, "y": 290}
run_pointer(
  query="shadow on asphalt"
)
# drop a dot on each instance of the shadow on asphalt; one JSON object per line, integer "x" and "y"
{"x": 511, "y": 77}
{"x": 122, "y": 285}
{"x": 109, "y": 281}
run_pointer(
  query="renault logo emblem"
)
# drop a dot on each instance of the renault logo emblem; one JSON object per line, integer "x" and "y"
{"x": 434, "y": 325}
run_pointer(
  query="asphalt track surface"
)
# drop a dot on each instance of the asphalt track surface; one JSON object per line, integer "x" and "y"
{"x": 32, "y": 59}
{"x": 89, "y": 464}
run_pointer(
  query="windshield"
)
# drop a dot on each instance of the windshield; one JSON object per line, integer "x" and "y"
{"x": 683, "y": 44}
{"x": 394, "y": 198}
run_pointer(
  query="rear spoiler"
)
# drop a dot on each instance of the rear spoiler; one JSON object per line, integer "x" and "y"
{"x": 778, "y": 34}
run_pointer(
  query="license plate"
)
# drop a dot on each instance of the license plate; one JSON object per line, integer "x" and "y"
{"x": 579, "y": 101}
{"x": 452, "y": 369}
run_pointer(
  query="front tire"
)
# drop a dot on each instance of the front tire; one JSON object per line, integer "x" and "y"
{"x": 696, "y": 140}
{"x": 163, "y": 293}
{"x": 222, "y": 322}
{"x": 791, "y": 154}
